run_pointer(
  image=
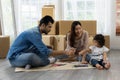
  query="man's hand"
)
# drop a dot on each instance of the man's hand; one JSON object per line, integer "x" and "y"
{"x": 71, "y": 52}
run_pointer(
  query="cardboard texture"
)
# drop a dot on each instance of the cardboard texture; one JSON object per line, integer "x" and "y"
{"x": 90, "y": 41}
{"x": 53, "y": 29}
{"x": 48, "y": 40}
{"x": 65, "y": 26}
{"x": 48, "y": 10}
{"x": 4, "y": 46}
{"x": 107, "y": 41}
{"x": 59, "y": 42}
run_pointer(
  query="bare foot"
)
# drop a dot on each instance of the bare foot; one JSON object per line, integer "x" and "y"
{"x": 107, "y": 65}
{"x": 99, "y": 67}
{"x": 84, "y": 62}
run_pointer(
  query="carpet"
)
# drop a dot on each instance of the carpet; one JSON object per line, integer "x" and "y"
{"x": 58, "y": 66}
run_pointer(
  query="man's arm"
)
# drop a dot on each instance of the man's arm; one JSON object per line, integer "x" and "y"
{"x": 36, "y": 39}
{"x": 60, "y": 52}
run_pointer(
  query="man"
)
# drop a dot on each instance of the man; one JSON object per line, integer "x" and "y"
{"x": 28, "y": 50}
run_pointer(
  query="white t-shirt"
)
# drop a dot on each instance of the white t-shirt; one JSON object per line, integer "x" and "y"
{"x": 97, "y": 53}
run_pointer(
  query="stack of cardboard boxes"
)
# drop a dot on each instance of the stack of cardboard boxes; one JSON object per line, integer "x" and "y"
{"x": 59, "y": 41}
{"x": 65, "y": 26}
{"x": 48, "y": 10}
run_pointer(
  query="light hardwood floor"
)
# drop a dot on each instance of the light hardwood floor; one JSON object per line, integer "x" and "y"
{"x": 7, "y": 72}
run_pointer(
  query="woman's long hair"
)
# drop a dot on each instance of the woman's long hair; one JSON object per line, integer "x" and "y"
{"x": 72, "y": 33}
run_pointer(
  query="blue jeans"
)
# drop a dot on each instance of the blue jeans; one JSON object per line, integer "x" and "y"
{"x": 28, "y": 58}
{"x": 62, "y": 56}
{"x": 94, "y": 61}
{"x": 87, "y": 58}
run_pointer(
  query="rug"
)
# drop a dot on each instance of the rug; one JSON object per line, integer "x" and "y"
{"x": 58, "y": 66}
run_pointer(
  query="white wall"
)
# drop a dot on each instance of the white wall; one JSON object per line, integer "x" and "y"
{"x": 114, "y": 40}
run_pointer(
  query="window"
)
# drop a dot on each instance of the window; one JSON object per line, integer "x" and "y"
{"x": 28, "y": 13}
{"x": 79, "y": 10}
{"x": 7, "y": 18}
{"x": 19, "y": 15}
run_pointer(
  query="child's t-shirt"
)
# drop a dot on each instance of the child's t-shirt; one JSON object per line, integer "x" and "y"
{"x": 97, "y": 53}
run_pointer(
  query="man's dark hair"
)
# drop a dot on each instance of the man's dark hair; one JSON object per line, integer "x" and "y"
{"x": 46, "y": 19}
{"x": 100, "y": 39}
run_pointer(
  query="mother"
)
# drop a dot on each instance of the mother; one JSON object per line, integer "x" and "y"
{"x": 77, "y": 40}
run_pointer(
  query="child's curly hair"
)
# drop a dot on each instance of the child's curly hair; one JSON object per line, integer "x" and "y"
{"x": 100, "y": 39}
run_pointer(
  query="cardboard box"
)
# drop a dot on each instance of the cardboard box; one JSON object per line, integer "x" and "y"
{"x": 90, "y": 26}
{"x": 107, "y": 41}
{"x": 48, "y": 10}
{"x": 4, "y": 46}
{"x": 65, "y": 26}
{"x": 53, "y": 29}
{"x": 59, "y": 42}
{"x": 48, "y": 40}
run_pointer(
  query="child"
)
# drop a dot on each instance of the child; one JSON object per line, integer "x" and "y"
{"x": 98, "y": 56}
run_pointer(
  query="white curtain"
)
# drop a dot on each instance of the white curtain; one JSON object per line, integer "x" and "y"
{"x": 28, "y": 13}
{"x": 101, "y": 12}
{"x": 103, "y": 16}
{"x": 19, "y": 15}
{"x": 7, "y": 19}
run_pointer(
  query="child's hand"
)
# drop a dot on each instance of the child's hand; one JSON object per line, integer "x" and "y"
{"x": 104, "y": 61}
{"x": 107, "y": 64}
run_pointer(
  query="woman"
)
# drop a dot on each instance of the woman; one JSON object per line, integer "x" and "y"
{"x": 77, "y": 40}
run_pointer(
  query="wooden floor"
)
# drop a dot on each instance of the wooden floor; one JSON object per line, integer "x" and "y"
{"x": 7, "y": 72}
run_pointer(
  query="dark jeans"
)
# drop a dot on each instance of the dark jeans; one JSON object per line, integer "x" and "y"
{"x": 64, "y": 56}
{"x": 94, "y": 62}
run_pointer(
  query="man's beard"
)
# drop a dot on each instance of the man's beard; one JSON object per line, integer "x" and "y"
{"x": 44, "y": 31}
